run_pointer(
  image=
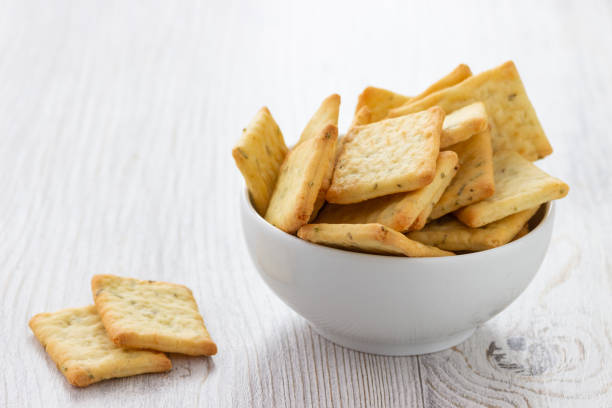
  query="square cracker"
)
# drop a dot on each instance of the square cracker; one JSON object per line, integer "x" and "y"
{"x": 258, "y": 155}
{"x": 387, "y": 157}
{"x": 77, "y": 343}
{"x": 154, "y": 315}
{"x": 374, "y": 103}
{"x": 396, "y": 211}
{"x": 449, "y": 234}
{"x": 300, "y": 180}
{"x": 457, "y": 75}
{"x": 514, "y": 123}
{"x": 326, "y": 115}
{"x": 378, "y": 102}
{"x": 463, "y": 123}
{"x": 474, "y": 180}
{"x": 519, "y": 185}
{"x": 371, "y": 238}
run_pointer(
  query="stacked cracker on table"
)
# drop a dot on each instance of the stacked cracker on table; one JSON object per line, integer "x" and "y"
{"x": 126, "y": 331}
{"x": 448, "y": 170}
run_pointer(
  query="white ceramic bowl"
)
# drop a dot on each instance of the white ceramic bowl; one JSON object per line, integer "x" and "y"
{"x": 393, "y": 305}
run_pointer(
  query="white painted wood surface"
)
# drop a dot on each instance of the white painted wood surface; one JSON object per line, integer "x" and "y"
{"x": 116, "y": 124}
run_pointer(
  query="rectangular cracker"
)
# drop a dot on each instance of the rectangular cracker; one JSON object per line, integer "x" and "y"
{"x": 440, "y": 187}
{"x": 154, "y": 315}
{"x": 519, "y": 185}
{"x": 370, "y": 238}
{"x": 396, "y": 211}
{"x": 326, "y": 115}
{"x": 463, "y": 123}
{"x": 300, "y": 180}
{"x": 387, "y": 157}
{"x": 474, "y": 180}
{"x": 77, "y": 342}
{"x": 449, "y": 234}
{"x": 457, "y": 75}
{"x": 514, "y": 123}
{"x": 258, "y": 155}
{"x": 378, "y": 102}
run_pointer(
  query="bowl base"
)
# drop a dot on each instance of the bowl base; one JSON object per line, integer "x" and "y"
{"x": 406, "y": 349}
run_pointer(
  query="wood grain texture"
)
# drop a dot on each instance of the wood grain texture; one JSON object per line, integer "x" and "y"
{"x": 116, "y": 127}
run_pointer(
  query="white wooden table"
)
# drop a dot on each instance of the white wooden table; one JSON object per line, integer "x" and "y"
{"x": 116, "y": 123}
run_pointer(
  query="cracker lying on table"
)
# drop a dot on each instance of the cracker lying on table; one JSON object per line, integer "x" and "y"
{"x": 326, "y": 115}
{"x": 474, "y": 180}
{"x": 77, "y": 342}
{"x": 378, "y": 102}
{"x": 463, "y": 123}
{"x": 371, "y": 238}
{"x": 457, "y": 75}
{"x": 258, "y": 155}
{"x": 514, "y": 123}
{"x": 519, "y": 185}
{"x": 449, "y": 234}
{"x": 396, "y": 211}
{"x": 153, "y": 315}
{"x": 300, "y": 180}
{"x": 387, "y": 157}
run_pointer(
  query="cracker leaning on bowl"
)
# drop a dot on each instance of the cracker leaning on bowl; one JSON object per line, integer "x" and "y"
{"x": 388, "y": 169}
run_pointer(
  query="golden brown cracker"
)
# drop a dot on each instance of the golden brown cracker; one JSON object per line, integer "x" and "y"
{"x": 457, "y": 75}
{"x": 378, "y": 102}
{"x": 474, "y": 180}
{"x": 514, "y": 123}
{"x": 258, "y": 155}
{"x": 396, "y": 211}
{"x": 449, "y": 234}
{"x": 300, "y": 180}
{"x": 326, "y": 115}
{"x": 387, "y": 157}
{"x": 77, "y": 342}
{"x": 370, "y": 238}
{"x": 519, "y": 185}
{"x": 463, "y": 123}
{"x": 524, "y": 231}
{"x": 153, "y": 315}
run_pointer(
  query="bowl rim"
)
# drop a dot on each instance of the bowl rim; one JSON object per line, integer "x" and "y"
{"x": 548, "y": 212}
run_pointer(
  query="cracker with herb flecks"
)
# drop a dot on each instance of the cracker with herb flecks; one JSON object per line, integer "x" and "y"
{"x": 519, "y": 185}
{"x": 445, "y": 178}
{"x": 374, "y": 103}
{"x": 77, "y": 342}
{"x": 387, "y": 157}
{"x": 152, "y": 315}
{"x": 474, "y": 180}
{"x": 449, "y": 234}
{"x": 457, "y": 75}
{"x": 370, "y": 238}
{"x": 326, "y": 115}
{"x": 396, "y": 211}
{"x": 300, "y": 180}
{"x": 514, "y": 123}
{"x": 463, "y": 123}
{"x": 378, "y": 102}
{"x": 258, "y": 155}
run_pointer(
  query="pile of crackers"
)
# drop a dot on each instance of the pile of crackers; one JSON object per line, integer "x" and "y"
{"x": 126, "y": 331}
{"x": 449, "y": 170}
